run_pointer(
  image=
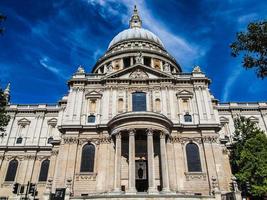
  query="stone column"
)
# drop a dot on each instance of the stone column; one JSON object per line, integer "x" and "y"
{"x": 132, "y": 188}
{"x": 164, "y": 163}
{"x": 150, "y": 159}
{"x": 117, "y": 177}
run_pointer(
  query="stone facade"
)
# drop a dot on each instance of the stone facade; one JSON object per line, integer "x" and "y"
{"x": 99, "y": 109}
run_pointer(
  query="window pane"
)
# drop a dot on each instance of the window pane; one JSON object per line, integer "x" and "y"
{"x": 19, "y": 140}
{"x": 88, "y": 158}
{"x": 139, "y": 101}
{"x": 44, "y": 170}
{"x": 12, "y": 170}
{"x": 187, "y": 118}
{"x": 91, "y": 119}
{"x": 193, "y": 159}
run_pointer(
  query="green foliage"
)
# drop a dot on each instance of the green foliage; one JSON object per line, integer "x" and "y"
{"x": 4, "y": 118}
{"x": 249, "y": 156}
{"x": 253, "y": 45}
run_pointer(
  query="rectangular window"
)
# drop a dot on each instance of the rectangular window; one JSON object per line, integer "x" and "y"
{"x": 139, "y": 101}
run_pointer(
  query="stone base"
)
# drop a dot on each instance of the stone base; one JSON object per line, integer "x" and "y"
{"x": 131, "y": 191}
{"x": 152, "y": 190}
{"x": 138, "y": 196}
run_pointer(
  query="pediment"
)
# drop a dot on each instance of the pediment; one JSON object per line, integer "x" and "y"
{"x": 224, "y": 120}
{"x": 93, "y": 94}
{"x": 24, "y": 122}
{"x": 52, "y": 122}
{"x": 138, "y": 71}
{"x": 253, "y": 119}
{"x": 185, "y": 94}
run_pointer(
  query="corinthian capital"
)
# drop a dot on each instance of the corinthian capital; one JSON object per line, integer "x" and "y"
{"x": 149, "y": 131}
{"x": 131, "y": 131}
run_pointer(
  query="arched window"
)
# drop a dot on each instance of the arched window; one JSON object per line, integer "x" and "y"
{"x": 139, "y": 101}
{"x": 91, "y": 119}
{"x": 157, "y": 105}
{"x": 49, "y": 140}
{"x": 187, "y": 117}
{"x": 12, "y": 170}
{"x": 44, "y": 170}
{"x": 88, "y": 158}
{"x": 193, "y": 159}
{"x": 120, "y": 105}
{"x": 19, "y": 140}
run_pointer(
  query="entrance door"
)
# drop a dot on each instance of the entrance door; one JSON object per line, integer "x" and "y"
{"x": 141, "y": 175}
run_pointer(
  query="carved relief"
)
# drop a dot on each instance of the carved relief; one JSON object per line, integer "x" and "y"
{"x": 183, "y": 140}
{"x": 105, "y": 140}
{"x": 190, "y": 176}
{"x": 70, "y": 140}
{"x": 139, "y": 74}
{"x": 87, "y": 140}
{"x": 82, "y": 177}
{"x": 54, "y": 152}
{"x": 211, "y": 139}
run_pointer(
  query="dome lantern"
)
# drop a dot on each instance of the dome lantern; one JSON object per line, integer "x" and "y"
{"x": 135, "y": 21}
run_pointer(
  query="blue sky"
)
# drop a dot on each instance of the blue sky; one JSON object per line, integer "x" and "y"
{"x": 46, "y": 41}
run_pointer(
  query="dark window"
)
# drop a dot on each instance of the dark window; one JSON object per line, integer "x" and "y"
{"x": 139, "y": 101}
{"x": 126, "y": 62}
{"x": 12, "y": 170}
{"x": 193, "y": 159}
{"x": 44, "y": 170}
{"x": 19, "y": 140}
{"x": 147, "y": 61}
{"x": 187, "y": 117}
{"x": 91, "y": 119}
{"x": 88, "y": 158}
{"x": 49, "y": 140}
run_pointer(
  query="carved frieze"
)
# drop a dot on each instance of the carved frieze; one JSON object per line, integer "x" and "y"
{"x": 139, "y": 74}
{"x": 70, "y": 140}
{"x": 54, "y": 152}
{"x": 206, "y": 139}
{"x": 105, "y": 140}
{"x": 87, "y": 140}
{"x": 85, "y": 177}
{"x": 191, "y": 176}
{"x": 183, "y": 140}
{"x": 211, "y": 139}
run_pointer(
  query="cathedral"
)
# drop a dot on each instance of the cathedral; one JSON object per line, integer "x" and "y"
{"x": 136, "y": 127}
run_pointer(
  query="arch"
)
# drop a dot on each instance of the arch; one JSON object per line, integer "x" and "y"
{"x": 12, "y": 170}
{"x": 19, "y": 140}
{"x": 187, "y": 117}
{"x": 88, "y": 158}
{"x": 193, "y": 158}
{"x": 91, "y": 119}
{"x": 157, "y": 105}
{"x": 49, "y": 140}
{"x": 44, "y": 170}
{"x": 139, "y": 101}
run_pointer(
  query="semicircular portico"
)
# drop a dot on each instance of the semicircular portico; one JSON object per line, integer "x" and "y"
{"x": 139, "y": 120}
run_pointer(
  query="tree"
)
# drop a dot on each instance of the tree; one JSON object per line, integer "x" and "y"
{"x": 249, "y": 157}
{"x": 2, "y": 18}
{"x": 4, "y": 118}
{"x": 253, "y": 46}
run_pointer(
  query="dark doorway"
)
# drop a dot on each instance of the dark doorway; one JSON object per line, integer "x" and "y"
{"x": 141, "y": 175}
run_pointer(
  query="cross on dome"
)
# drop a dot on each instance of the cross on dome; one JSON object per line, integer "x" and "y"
{"x": 135, "y": 21}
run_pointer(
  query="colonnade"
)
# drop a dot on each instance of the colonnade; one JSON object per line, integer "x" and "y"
{"x": 150, "y": 160}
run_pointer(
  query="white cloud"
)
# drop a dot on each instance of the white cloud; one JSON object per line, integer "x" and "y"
{"x": 185, "y": 52}
{"x": 230, "y": 82}
{"x": 45, "y": 63}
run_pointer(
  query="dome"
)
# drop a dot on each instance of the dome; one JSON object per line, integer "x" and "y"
{"x": 135, "y": 33}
